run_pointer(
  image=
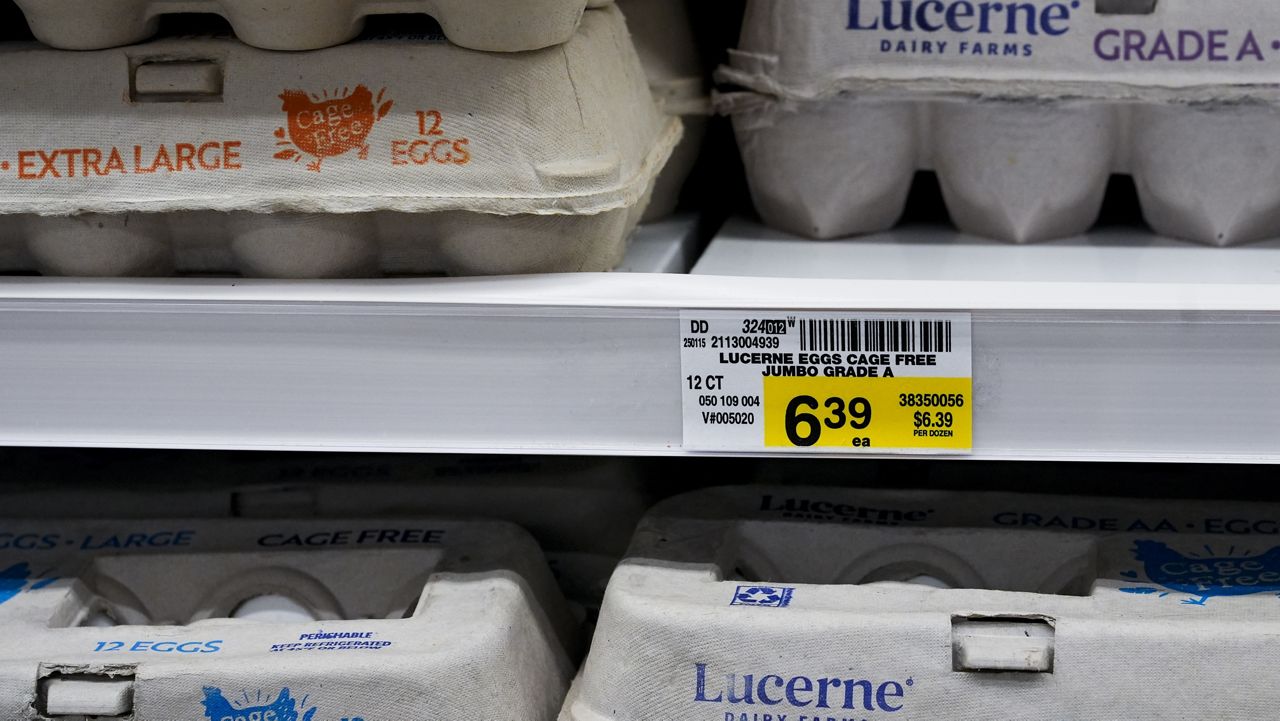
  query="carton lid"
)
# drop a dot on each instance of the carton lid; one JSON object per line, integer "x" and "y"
{"x": 1173, "y": 50}
{"x": 401, "y": 125}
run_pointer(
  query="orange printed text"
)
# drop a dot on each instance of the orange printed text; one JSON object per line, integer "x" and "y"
{"x": 53, "y": 163}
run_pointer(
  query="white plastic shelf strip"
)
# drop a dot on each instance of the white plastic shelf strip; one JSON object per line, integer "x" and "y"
{"x": 589, "y": 363}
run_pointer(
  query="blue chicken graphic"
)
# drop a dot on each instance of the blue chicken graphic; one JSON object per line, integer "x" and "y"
{"x": 284, "y": 708}
{"x": 1205, "y": 577}
{"x": 15, "y": 579}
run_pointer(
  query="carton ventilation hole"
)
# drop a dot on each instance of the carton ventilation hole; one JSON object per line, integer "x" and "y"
{"x": 272, "y": 608}
{"x": 177, "y": 25}
{"x": 409, "y": 26}
{"x": 1126, "y": 7}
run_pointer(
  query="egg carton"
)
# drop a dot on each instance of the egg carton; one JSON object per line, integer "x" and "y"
{"x": 581, "y": 511}
{"x": 492, "y": 25}
{"x": 668, "y": 49}
{"x": 262, "y": 620}
{"x": 1024, "y": 110}
{"x": 397, "y": 155}
{"x": 727, "y": 612}
{"x": 776, "y": 501}
{"x": 297, "y": 245}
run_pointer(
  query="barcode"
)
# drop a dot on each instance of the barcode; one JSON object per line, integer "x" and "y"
{"x": 876, "y": 336}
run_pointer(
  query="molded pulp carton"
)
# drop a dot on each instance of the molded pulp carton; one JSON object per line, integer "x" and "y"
{"x": 494, "y": 25}
{"x": 298, "y": 620}
{"x": 582, "y": 512}
{"x": 1024, "y": 109}
{"x": 383, "y": 156}
{"x": 796, "y": 604}
{"x": 669, "y": 52}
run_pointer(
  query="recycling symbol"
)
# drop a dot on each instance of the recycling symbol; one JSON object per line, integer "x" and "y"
{"x": 760, "y": 596}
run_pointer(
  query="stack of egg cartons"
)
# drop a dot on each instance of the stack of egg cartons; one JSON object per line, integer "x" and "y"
{"x": 1023, "y": 109}
{"x": 279, "y": 621}
{"x": 521, "y": 138}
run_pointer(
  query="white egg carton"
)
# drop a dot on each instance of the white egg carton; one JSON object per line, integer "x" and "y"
{"x": 161, "y": 620}
{"x": 315, "y": 245}
{"x": 1023, "y": 140}
{"x": 383, "y": 156}
{"x": 668, "y": 50}
{"x": 727, "y": 610}
{"x": 581, "y": 511}
{"x": 775, "y": 501}
{"x": 493, "y": 25}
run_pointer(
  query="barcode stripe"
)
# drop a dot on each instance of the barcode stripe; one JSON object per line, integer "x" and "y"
{"x": 876, "y": 336}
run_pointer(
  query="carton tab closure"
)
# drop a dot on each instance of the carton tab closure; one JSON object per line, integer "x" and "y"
{"x": 177, "y": 80}
{"x": 1002, "y": 644}
{"x": 86, "y": 695}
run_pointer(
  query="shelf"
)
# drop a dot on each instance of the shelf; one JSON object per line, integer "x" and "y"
{"x": 666, "y": 246}
{"x": 1087, "y": 365}
{"x": 1122, "y": 256}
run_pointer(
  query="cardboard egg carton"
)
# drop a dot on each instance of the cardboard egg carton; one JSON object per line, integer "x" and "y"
{"x": 285, "y": 620}
{"x": 492, "y": 25}
{"x": 861, "y": 605}
{"x": 314, "y": 245}
{"x": 398, "y": 155}
{"x": 581, "y": 511}
{"x": 668, "y": 50}
{"x": 1024, "y": 110}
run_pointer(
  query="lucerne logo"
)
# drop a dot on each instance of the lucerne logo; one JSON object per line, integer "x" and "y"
{"x": 962, "y": 16}
{"x": 800, "y": 692}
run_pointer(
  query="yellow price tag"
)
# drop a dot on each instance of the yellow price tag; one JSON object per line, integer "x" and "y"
{"x": 889, "y": 414}
{"x": 879, "y": 382}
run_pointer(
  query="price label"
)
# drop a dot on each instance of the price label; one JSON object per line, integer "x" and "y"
{"x": 878, "y": 383}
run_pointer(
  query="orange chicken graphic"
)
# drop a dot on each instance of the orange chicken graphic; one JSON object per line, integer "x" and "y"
{"x": 324, "y": 126}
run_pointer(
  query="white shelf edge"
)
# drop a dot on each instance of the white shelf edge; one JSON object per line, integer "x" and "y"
{"x": 589, "y": 364}
{"x": 662, "y": 291}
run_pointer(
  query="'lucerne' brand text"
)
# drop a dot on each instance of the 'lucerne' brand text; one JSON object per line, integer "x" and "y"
{"x": 962, "y": 16}
{"x": 771, "y": 689}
